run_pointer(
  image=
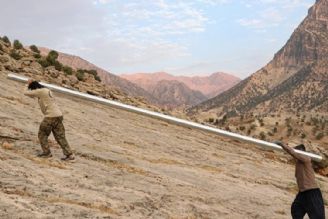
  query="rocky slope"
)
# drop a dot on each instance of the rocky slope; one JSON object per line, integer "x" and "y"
{"x": 176, "y": 94}
{"x": 295, "y": 80}
{"x": 108, "y": 78}
{"x": 131, "y": 166}
{"x": 26, "y": 62}
{"x": 210, "y": 86}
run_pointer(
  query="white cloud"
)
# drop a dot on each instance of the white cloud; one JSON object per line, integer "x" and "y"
{"x": 273, "y": 12}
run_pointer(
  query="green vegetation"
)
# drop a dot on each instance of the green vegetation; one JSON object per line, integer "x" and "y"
{"x": 68, "y": 70}
{"x": 44, "y": 62}
{"x": 17, "y": 44}
{"x": 35, "y": 49}
{"x": 37, "y": 56}
{"x": 82, "y": 72}
{"x": 80, "y": 75}
{"x": 15, "y": 55}
{"x": 6, "y": 40}
{"x": 52, "y": 57}
{"x": 58, "y": 65}
{"x": 51, "y": 60}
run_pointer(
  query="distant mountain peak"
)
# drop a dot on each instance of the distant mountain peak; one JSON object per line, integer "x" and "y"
{"x": 295, "y": 80}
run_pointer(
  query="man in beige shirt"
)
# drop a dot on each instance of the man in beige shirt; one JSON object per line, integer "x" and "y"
{"x": 52, "y": 122}
{"x": 309, "y": 198}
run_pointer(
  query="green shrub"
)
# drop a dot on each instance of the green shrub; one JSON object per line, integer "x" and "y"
{"x": 35, "y": 49}
{"x": 14, "y": 54}
{"x": 58, "y": 65}
{"x": 52, "y": 57}
{"x": 37, "y": 56}
{"x": 44, "y": 63}
{"x": 68, "y": 70}
{"x": 80, "y": 75}
{"x": 241, "y": 128}
{"x": 303, "y": 135}
{"x": 6, "y": 40}
{"x": 53, "y": 54}
{"x": 211, "y": 120}
{"x": 17, "y": 44}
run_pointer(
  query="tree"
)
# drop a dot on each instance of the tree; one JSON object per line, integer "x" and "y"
{"x": 52, "y": 57}
{"x": 17, "y": 44}
{"x": 6, "y": 40}
{"x": 37, "y": 56}
{"x": 14, "y": 54}
{"x": 80, "y": 75}
{"x": 58, "y": 65}
{"x": 44, "y": 63}
{"x": 68, "y": 70}
{"x": 35, "y": 49}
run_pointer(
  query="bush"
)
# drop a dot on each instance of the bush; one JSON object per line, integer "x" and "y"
{"x": 303, "y": 135}
{"x": 17, "y": 44}
{"x": 35, "y": 49}
{"x": 241, "y": 128}
{"x": 275, "y": 130}
{"x": 1, "y": 48}
{"x": 6, "y": 40}
{"x": 58, "y": 65}
{"x": 14, "y": 54}
{"x": 52, "y": 57}
{"x": 210, "y": 120}
{"x": 53, "y": 54}
{"x": 68, "y": 70}
{"x": 37, "y": 56}
{"x": 80, "y": 75}
{"x": 44, "y": 63}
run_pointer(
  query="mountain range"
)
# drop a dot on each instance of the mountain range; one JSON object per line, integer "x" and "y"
{"x": 295, "y": 80}
{"x": 210, "y": 85}
{"x": 108, "y": 78}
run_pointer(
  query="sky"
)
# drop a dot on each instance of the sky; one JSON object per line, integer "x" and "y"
{"x": 181, "y": 37}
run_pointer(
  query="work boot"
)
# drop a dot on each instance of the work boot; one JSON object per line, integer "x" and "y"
{"x": 68, "y": 157}
{"x": 45, "y": 155}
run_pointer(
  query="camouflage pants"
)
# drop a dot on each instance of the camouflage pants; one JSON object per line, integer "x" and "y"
{"x": 54, "y": 125}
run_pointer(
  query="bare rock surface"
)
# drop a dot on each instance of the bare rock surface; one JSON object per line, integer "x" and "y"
{"x": 131, "y": 166}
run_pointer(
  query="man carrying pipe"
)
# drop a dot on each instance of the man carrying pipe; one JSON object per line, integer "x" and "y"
{"x": 52, "y": 121}
{"x": 309, "y": 198}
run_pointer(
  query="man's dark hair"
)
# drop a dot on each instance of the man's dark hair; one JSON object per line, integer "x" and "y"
{"x": 300, "y": 147}
{"x": 35, "y": 85}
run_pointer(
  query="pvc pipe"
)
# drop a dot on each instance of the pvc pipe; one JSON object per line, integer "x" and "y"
{"x": 171, "y": 119}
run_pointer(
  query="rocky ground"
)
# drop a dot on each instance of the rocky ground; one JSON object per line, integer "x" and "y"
{"x": 131, "y": 166}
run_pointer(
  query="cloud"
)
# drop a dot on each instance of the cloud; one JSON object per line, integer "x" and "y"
{"x": 271, "y": 12}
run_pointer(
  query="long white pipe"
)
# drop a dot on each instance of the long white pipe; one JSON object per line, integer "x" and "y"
{"x": 166, "y": 118}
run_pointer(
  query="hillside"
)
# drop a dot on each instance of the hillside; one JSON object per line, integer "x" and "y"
{"x": 108, "y": 78}
{"x": 296, "y": 80}
{"x": 14, "y": 58}
{"x": 176, "y": 94}
{"x": 131, "y": 166}
{"x": 210, "y": 85}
